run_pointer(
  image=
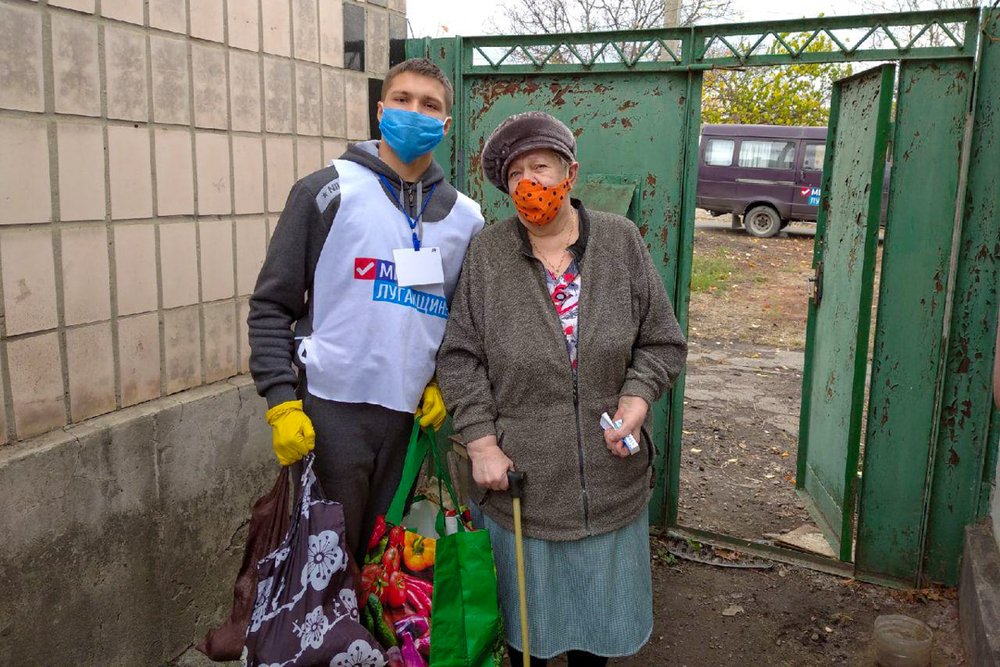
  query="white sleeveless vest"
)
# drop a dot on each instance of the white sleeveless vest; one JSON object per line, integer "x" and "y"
{"x": 373, "y": 341}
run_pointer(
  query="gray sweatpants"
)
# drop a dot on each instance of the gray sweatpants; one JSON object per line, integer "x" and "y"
{"x": 360, "y": 449}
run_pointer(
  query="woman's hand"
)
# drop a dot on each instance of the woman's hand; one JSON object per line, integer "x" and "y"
{"x": 489, "y": 463}
{"x": 632, "y": 411}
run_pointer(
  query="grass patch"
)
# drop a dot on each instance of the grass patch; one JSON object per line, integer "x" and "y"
{"x": 711, "y": 273}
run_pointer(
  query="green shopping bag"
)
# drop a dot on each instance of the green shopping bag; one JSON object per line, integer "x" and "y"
{"x": 465, "y": 626}
{"x": 466, "y": 629}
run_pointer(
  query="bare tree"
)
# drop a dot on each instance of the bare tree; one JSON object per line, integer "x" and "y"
{"x": 905, "y": 34}
{"x": 549, "y": 16}
{"x": 542, "y": 17}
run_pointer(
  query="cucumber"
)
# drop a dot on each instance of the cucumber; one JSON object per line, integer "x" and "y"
{"x": 383, "y": 631}
{"x": 366, "y": 619}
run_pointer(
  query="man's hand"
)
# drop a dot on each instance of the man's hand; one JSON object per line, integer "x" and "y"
{"x": 431, "y": 411}
{"x": 292, "y": 434}
{"x": 489, "y": 463}
{"x": 632, "y": 411}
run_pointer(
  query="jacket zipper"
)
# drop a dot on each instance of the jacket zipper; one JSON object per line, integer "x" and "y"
{"x": 579, "y": 446}
{"x": 576, "y": 408}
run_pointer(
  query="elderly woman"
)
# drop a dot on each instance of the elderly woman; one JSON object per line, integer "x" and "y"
{"x": 558, "y": 317}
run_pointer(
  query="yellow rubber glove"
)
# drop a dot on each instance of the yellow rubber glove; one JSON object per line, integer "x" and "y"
{"x": 431, "y": 411}
{"x": 292, "y": 433}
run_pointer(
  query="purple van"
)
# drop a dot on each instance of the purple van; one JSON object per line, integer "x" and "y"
{"x": 768, "y": 174}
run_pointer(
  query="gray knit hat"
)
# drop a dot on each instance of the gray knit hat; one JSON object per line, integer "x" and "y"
{"x": 520, "y": 133}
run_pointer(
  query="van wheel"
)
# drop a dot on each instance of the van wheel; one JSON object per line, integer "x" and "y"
{"x": 762, "y": 222}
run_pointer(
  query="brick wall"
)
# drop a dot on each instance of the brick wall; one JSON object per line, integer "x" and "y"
{"x": 146, "y": 150}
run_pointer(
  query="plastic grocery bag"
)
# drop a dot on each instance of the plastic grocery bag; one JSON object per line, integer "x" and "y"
{"x": 306, "y": 610}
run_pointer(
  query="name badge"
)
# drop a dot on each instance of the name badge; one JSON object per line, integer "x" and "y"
{"x": 418, "y": 267}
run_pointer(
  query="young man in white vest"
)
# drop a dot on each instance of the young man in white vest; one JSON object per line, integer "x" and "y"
{"x": 351, "y": 302}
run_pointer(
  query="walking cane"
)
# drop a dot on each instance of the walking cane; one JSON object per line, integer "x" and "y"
{"x": 516, "y": 482}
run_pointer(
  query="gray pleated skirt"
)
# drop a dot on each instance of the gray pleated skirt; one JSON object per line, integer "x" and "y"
{"x": 594, "y": 594}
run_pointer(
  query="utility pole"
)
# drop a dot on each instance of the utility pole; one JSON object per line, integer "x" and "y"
{"x": 671, "y": 19}
{"x": 671, "y": 13}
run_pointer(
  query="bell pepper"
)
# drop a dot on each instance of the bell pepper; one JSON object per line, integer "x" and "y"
{"x": 377, "y": 532}
{"x": 418, "y": 552}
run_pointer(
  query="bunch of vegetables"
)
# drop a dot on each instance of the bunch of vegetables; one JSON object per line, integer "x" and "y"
{"x": 396, "y": 583}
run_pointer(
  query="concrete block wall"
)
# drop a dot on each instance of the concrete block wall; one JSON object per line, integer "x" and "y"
{"x": 122, "y": 536}
{"x": 146, "y": 150}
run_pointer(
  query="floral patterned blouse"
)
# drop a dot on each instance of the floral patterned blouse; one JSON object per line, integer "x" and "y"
{"x": 565, "y": 293}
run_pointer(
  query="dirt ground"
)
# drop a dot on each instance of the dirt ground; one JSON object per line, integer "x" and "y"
{"x": 747, "y": 334}
{"x": 744, "y": 382}
{"x": 784, "y": 616}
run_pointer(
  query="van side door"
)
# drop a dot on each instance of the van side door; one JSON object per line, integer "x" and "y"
{"x": 766, "y": 172}
{"x": 809, "y": 175}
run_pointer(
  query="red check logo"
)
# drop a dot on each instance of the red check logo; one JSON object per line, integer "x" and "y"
{"x": 364, "y": 268}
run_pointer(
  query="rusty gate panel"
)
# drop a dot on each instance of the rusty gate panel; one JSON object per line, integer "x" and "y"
{"x": 926, "y": 170}
{"x": 839, "y": 312}
{"x": 968, "y": 429}
{"x": 631, "y": 134}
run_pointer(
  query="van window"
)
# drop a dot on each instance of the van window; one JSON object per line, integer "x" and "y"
{"x": 812, "y": 160}
{"x": 719, "y": 152}
{"x": 767, "y": 154}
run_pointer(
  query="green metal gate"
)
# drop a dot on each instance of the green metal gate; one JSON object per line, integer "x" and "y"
{"x": 636, "y": 131}
{"x": 634, "y": 100}
{"x": 840, "y": 308}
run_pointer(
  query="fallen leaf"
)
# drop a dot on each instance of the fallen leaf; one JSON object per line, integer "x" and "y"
{"x": 733, "y": 610}
{"x": 726, "y": 554}
{"x": 695, "y": 450}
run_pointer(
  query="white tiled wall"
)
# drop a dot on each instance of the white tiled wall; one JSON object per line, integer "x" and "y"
{"x": 146, "y": 149}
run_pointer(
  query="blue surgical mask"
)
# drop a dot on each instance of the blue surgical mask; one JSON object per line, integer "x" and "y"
{"x": 410, "y": 134}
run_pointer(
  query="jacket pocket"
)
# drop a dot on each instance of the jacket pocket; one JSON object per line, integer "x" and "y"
{"x": 651, "y": 452}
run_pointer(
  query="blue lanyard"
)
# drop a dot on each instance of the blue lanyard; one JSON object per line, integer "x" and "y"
{"x": 412, "y": 222}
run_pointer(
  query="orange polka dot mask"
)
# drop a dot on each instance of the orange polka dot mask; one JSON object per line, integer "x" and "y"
{"x": 539, "y": 204}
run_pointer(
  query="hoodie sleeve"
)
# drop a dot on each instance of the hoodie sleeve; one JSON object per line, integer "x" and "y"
{"x": 279, "y": 301}
{"x": 461, "y": 363}
{"x": 660, "y": 350}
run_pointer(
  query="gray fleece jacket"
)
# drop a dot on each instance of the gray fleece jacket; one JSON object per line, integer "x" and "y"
{"x": 503, "y": 369}
{"x": 281, "y": 307}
